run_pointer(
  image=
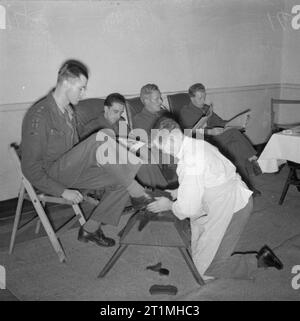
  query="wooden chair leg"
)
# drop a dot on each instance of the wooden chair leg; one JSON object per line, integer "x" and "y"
{"x": 17, "y": 218}
{"x": 112, "y": 260}
{"x": 286, "y": 187}
{"x": 49, "y": 230}
{"x": 38, "y": 223}
{"x": 79, "y": 214}
{"x": 189, "y": 261}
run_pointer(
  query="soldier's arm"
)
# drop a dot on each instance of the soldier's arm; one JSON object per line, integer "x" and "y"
{"x": 34, "y": 144}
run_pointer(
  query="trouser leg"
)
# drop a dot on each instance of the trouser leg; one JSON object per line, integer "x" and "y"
{"x": 79, "y": 169}
{"x": 236, "y": 143}
{"x": 112, "y": 204}
{"x": 238, "y": 266}
{"x": 208, "y": 232}
{"x": 151, "y": 175}
{"x": 236, "y": 147}
{"x": 83, "y": 163}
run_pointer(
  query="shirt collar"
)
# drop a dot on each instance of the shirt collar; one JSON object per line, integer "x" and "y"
{"x": 68, "y": 109}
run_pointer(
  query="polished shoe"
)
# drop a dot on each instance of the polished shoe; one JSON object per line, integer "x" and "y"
{"x": 97, "y": 237}
{"x": 141, "y": 202}
{"x": 256, "y": 168}
{"x": 267, "y": 258}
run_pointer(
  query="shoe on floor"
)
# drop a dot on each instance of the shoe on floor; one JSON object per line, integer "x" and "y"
{"x": 139, "y": 203}
{"x": 97, "y": 237}
{"x": 267, "y": 258}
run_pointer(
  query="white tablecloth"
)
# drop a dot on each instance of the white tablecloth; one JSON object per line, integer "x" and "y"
{"x": 280, "y": 148}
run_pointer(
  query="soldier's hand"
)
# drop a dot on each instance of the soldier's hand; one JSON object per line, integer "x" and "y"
{"x": 72, "y": 195}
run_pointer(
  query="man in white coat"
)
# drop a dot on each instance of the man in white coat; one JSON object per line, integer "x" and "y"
{"x": 217, "y": 202}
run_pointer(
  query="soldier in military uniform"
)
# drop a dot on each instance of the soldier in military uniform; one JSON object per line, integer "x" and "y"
{"x": 56, "y": 163}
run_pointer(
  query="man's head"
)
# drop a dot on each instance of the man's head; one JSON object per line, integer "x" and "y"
{"x": 167, "y": 136}
{"x": 197, "y": 94}
{"x": 72, "y": 79}
{"x": 151, "y": 98}
{"x": 114, "y": 106}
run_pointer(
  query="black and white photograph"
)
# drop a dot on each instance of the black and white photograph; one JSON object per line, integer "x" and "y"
{"x": 149, "y": 152}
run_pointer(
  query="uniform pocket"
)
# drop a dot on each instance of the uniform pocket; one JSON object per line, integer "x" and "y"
{"x": 56, "y": 144}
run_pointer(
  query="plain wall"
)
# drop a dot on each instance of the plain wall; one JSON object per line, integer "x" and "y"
{"x": 290, "y": 59}
{"x": 129, "y": 43}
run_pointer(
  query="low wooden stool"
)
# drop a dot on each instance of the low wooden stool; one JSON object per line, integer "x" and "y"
{"x": 135, "y": 233}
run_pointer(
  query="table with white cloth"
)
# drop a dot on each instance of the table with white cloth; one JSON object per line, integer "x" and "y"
{"x": 283, "y": 146}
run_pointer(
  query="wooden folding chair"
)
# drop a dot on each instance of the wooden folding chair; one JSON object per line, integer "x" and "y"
{"x": 39, "y": 201}
{"x": 284, "y": 115}
{"x": 292, "y": 179}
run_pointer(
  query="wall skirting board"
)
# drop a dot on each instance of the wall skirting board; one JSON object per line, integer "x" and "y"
{"x": 228, "y": 101}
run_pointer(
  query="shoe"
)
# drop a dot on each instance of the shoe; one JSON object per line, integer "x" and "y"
{"x": 256, "y": 192}
{"x": 256, "y": 168}
{"x": 140, "y": 203}
{"x": 97, "y": 237}
{"x": 163, "y": 289}
{"x": 267, "y": 258}
{"x": 155, "y": 267}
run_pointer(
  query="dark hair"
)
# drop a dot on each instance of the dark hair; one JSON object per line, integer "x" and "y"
{"x": 194, "y": 88}
{"x": 114, "y": 98}
{"x": 166, "y": 121}
{"x": 72, "y": 69}
{"x": 163, "y": 116}
{"x": 147, "y": 90}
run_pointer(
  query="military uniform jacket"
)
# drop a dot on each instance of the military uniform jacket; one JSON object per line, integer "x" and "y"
{"x": 47, "y": 134}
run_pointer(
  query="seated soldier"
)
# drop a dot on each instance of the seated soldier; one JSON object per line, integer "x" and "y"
{"x": 231, "y": 142}
{"x": 114, "y": 106}
{"x": 56, "y": 163}
{"x": 151, "y": 98}
{"x": 217, "y": 202}
{"x": 153, "y": 110}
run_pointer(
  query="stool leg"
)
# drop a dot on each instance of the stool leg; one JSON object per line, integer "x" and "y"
{"x": 79, "y": 214}
{"x": 188, "y": 259}
{"x": 112, "y": 260}
{"x": 133, "y": 218}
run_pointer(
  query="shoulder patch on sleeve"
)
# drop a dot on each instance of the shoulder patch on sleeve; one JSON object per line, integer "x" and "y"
{"x": 36, "y": 117}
